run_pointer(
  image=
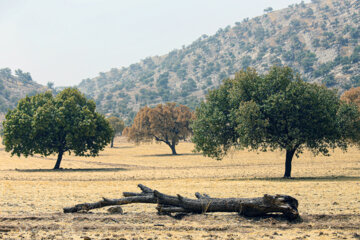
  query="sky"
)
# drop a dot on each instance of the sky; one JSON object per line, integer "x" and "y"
{"x": 66, "y": 41}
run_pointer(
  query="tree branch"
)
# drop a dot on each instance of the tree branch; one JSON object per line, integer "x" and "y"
{"x": 251, "y": 207}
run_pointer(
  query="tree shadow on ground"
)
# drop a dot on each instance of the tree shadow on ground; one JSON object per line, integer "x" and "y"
{"x": 74, "y": 170}
{"x": 320, "y": 178}
{"x": 169, "y": 155}
{"x": 123, "y": 147}
{"x": 273, "y": 218}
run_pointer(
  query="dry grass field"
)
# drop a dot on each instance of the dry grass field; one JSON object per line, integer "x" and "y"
{"x": 32, "y": 196}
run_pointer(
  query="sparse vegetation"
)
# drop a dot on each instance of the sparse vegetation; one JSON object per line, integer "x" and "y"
{"x": 316, "y": 40}
{"x": 33, "y": 196}
{"x": 270, "y": 109}
{"x": 14, "y": 87}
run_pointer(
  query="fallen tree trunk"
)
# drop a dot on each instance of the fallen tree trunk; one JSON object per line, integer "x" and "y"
{"x": 250, "y": 207}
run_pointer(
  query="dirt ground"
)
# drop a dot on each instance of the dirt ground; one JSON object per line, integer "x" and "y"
{"x": 32, "y": 196}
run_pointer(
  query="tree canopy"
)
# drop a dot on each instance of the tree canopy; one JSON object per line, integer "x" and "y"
{"x": 352, "y": 96}
{"x": 117, "y": 125}
{"x": 43, "y": 124}
{"x": 277, "y": 110}
{"x": 166, "y": 123}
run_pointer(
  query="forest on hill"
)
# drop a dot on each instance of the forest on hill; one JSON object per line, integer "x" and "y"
{"x": 14, "y": 86}
{"x": 320, "y": 40}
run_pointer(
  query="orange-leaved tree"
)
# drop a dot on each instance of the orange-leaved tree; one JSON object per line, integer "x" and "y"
{"x": 168, "y": 123}
{"x": 352, "y": 96}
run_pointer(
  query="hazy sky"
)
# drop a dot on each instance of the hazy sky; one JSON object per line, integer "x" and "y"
{"x": 65, "y": 41}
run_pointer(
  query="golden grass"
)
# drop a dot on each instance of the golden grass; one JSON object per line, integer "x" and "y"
{"x": 32, "y": 196}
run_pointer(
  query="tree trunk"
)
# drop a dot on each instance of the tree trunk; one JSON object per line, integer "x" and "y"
{"x": 172, "y": 146}
{"x": 112, "y": 142}
{"x": 58, "y": 161}
{"x": 289, "y": 157}
{"x": 250, "y": 207}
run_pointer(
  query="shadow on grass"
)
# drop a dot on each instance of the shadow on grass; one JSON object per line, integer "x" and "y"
{"x": 271, "y": 217}
{"x": 73, "y": 170}
{"x": 169, "y": 155}
{"x": 122, "y": 147}
{"x": 315, "y": 179}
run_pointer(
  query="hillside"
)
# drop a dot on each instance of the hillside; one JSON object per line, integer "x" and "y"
{"x": 320, "y": 40}
{"x": 14, "y": 87}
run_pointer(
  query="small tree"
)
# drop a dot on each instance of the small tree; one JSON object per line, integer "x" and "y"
{"x": 165, "y": 123}
{"x": 268, "y": 10}
{"x": 273, "y": 111}
{"x": 352, "y": 96}
{"x": 43, "y": 124}
{"x": 117, "y": 125}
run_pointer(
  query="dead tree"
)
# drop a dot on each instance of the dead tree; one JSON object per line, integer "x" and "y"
{"x": 166, "y": 204}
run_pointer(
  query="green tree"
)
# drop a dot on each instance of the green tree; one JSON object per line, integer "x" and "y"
{"x": 166, "y": 123}
{"x": 23, "y": 76}
{"x": 277, "y": 110}
{"x": 117, "y": 125}
{"x": 269, "y": 9}
{"x": 50, "y": 85}
{"x": 43, "y": 124}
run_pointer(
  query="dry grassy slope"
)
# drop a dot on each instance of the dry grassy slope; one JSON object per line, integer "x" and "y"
{"x": 314, "y": 38}
{"x": 31, "y": 200}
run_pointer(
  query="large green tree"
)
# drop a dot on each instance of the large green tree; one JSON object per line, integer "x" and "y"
{"x": 277, "y": 110}
{"x": 117, "y": 125}
{"x": 43, "y": 124}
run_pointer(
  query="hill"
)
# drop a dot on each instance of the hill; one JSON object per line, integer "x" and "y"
{"x": 320, "y": 40}
{"x": 14, "y": 87}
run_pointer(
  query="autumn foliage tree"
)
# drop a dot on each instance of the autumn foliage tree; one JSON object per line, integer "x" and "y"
{"x": 167, "y": 123}
{"x": 352, "y": 96}
{"x": 117, "y": 125}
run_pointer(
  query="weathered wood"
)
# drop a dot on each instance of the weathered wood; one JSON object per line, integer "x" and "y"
{"x": 251, "y": 207}
{"x": 198, "y": 195}
{"x": 147, "y": 196}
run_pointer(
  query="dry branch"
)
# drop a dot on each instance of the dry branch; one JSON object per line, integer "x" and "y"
{"x": 250, "y": 207}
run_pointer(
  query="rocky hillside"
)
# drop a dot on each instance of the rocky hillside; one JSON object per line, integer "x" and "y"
{"x": 319, "y": 39}
{"x": 14, "y": 87}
